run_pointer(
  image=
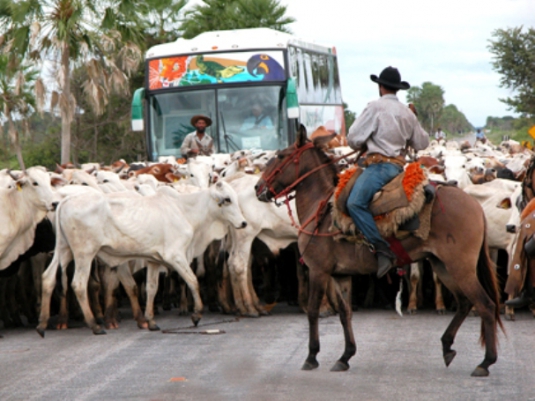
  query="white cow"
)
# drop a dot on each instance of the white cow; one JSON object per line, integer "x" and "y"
{"x": 498, "y": 199}
{"x": 266, "y": 221}
{"x": 25, "y": 202}
{"x": 166, "y": 228}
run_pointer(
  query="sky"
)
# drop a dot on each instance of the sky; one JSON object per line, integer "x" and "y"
{"x": 440, "y": 41}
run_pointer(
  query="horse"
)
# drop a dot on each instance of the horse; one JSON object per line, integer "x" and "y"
{"x": 456, "y": 248}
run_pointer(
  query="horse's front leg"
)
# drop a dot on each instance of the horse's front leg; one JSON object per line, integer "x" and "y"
{"x": 317, "y": 285}
{"x": 343, "y": 292}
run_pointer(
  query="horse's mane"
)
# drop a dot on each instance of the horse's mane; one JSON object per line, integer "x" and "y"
{"x": 333, "y": 168}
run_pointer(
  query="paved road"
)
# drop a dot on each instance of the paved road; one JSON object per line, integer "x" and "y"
{"x": 260, "y": 359}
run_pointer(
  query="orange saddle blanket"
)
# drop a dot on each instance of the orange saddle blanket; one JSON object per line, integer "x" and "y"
{"x": 398, "y": 201}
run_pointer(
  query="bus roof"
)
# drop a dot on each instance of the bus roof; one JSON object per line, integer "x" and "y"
{"x": 233, "y": 40}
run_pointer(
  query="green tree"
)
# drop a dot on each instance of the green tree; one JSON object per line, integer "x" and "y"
{"x": 215, "y": 15}
{"x": 453, "y": 121}
{"x": 103, "y": 36}
{"x": 429, "y": 102}
{"x": 104, "y": 137}
{"x": 514, "y": 60}
{"x": 164, "y": 18}
{"x": 16, "y": 98}
{"x": 349, "y": 116}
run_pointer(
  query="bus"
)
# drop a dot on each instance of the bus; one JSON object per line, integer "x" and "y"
{"x": 235, "y": 78}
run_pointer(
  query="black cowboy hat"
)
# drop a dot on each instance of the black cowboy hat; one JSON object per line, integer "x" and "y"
{"x": 390, "y": 77}
{"x": 198, "y": 117}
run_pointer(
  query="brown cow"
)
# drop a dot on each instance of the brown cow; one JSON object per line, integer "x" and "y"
{"x": 163, "y": 172}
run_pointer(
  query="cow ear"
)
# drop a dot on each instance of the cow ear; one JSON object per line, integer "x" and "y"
{"x": 219, "y": 185}
{"x": 322, "y": 142}
{"x": 505, "y": 204}
{"x": 156, "y": 170}
{"x": 302, "y": 136}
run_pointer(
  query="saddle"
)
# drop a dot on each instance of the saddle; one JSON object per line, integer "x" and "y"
{"x": 399, "y": 202}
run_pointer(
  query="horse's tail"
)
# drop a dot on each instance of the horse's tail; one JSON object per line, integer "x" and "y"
{"x": 486, "y": 274}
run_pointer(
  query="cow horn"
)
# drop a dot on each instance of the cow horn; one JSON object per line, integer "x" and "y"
{"x": 15, "y": 177}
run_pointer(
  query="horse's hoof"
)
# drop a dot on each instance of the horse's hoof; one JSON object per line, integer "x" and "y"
{"x": 195, "y": 318}
{"x": 474, "y": 313}
{"x": 100, "y": 321}
{"x": 154, "y": 327}
{"x": 310, "y": 365}
{"x": 40, "y": 331}
{"x": 61, "y": 326}
{"x": 510, "y": 317}
{"x": 441, "y": 311}
{"x": 449, "y": 357}
{"x": 97, "y": 330}
{"x": 480, "y": 372}
{"x": 340, "y": 366}
{"x": 412, "y": 311}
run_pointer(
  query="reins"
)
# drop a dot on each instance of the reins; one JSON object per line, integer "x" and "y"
{"x": 320, "y": 211}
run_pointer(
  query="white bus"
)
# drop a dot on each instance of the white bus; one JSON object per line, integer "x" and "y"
{"x": 255, "y": 85}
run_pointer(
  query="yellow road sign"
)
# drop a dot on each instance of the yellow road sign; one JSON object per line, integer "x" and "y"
{"x": 531, "y": 132}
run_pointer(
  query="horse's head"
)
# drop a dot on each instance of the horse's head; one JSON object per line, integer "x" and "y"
{"x": 290, "y": 166}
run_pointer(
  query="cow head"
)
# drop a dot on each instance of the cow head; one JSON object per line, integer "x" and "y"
{"x": 36, "y": 187}
{"x": 227, "y": 201}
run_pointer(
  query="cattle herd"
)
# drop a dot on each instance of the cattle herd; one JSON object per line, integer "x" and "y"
{"x": 74, "y": 240}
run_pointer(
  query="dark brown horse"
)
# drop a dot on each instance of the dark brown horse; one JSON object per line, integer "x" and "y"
{"x": 456, "y": 248}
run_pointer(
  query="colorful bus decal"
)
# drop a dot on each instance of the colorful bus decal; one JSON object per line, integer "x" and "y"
{"x": 215, "y": 69}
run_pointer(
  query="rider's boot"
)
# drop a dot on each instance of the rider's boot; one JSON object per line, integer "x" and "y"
{"x": 525, "y": 298}
{"x": 385, "y": 259}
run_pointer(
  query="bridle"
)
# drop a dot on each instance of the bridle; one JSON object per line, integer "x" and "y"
{"x": 294, "y": 158}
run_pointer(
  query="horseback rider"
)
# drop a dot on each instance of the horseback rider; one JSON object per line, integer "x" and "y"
{"x": 384, "y": 129}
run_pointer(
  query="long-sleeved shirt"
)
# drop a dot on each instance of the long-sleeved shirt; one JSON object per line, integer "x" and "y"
{"x": 387, "y": 126}
{"x": 192, "y": 141}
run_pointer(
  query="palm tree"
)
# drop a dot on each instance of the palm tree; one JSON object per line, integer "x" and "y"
{"x": 164, "y": 17}
{"x": 16, "y": 99}
{"x": 234, "y": 14}
{"x": 60, "y": 35}
{"x": 263, "y": 13}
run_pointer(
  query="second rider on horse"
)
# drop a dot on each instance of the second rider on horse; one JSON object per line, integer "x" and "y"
{"x": 385, "y": 129}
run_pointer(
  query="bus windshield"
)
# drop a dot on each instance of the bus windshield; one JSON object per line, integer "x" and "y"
{"x": 247, "y": 117}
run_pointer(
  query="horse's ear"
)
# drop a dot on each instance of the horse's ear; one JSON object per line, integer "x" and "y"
{"x": 301, "y": 137}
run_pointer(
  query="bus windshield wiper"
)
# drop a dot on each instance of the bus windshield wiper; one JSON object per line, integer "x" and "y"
{"x": 227, "y": 137}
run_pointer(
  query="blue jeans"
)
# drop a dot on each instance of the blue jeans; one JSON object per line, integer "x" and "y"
{"x": 370, "y": 181}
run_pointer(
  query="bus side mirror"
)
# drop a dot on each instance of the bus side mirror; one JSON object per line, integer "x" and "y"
{"x": 292, "y": 104}
{"x": 137, "y": 110}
